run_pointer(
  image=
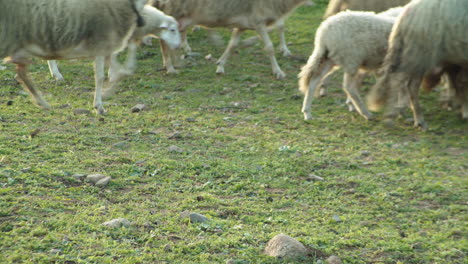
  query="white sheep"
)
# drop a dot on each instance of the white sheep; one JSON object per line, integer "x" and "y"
{"x": 429, "y": 34}
{"x": 237, "y": 14}
{"x": 157, "y": 24}
{"x": 336, "y": 6}
{"x": 66, "y": 29}
{"x": 353, "y": 40}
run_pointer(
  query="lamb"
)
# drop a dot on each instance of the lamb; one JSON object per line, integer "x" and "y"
{"x": 237, "y": 14}
{"x": 428, "y": 35}
{"x": 354, "y": 40}
{"x": 66, "y": 29}
{"x": 157, "y": 24}
{"x": 336, "y": 6}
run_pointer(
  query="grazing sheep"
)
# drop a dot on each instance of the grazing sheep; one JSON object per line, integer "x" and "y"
{"x": 237, "y": 14}
{"x": 65, "y": 29}
{"x": 354, "y": 40}
{"x": 157, "y": 24}
{"x": 429, "y": 34}
{"x": 336, "y": 6}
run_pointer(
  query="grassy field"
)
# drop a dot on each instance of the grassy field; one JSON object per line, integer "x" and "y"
{"x": 234, "y": 148}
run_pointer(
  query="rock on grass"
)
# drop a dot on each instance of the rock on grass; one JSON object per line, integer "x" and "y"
{"x": 118, "y": 222}
{"x": 284, "y": 246}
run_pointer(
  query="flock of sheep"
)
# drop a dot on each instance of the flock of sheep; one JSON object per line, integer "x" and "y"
{"x": 420, "y": 42}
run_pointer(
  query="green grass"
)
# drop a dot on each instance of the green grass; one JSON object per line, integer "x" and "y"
{"x": 400, "y": 193}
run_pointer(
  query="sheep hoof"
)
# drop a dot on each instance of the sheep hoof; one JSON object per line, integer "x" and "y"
{"x": 280, "y": 75}
{"x": 220, "y": 70}
{"x": 286, "y": 53}
{"x": 172, "y": 71}
{"x": 421, "y": 125}
{"x": 100, "y": 110}
{"x": 307, "y": 116}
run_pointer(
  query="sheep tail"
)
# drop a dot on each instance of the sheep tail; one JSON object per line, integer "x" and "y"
{"x": 311, "y": 68}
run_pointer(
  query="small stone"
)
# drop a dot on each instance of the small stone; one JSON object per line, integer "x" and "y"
{"x": 81, "y": 111}
{"x": 28, "y": 169}
{"x": 337, "y": 218}
{"x": 167, "y": 248}
{"x": 333, "y": 260}
{"x": 284, "y": 246}
{"x": 175, "y": 135}
{"x": 230, "y": 261}
{"x": 314, "y": 177}
{"x": 175, "y": 149}
{"x": 79, "y": 177}
{"x": 103, "y": 182}
{"x": 198, "y": 218}
{"x": 55, "y": 251}
{"x": 94, "y": 178}
{"x": 208, "y": 57}
{"x": 138, "y": 108}
{"x": 118, "y": 222}
{"x": 184, "y": 214}
{"x": 120, "y": 145}
{"x": 365, "y": 153}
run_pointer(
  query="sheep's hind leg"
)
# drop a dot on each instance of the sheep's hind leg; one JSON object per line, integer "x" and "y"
{"x": 99, "y": 76}
{"x": 351, "y": 85}
{"x": 283, "y": 45}
{"x": 28, "y": 84}
{"x": 262, "y": 30}
{"x": 315, "y": 81}
{"x": 235, "y": 36}
{"x": 413, "y": 89}
{"x": 54, "y": 70}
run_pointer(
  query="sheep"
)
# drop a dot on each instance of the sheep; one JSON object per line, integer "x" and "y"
{"x": 336, "y": 6}
{"x": 237, "y": 14}
{"x": 354, "y": 40}
{"x": 157, "y": 24}
{"x": 429, "y": 34}
{"x": 66, "y": 29}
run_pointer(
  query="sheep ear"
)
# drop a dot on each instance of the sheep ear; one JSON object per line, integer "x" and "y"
{"x": 164, "y": 25}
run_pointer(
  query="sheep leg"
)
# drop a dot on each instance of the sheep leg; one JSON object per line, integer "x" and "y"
{"x": 351, "y": 84}
{"x": 99, "y": 76}
{"x": 168, "y": 57}
{"x": 263, "y": 32}
{"x": 185, "y": 44}
{"x": 323, "y": 88}
{"x": 131, "y": 62}
{"x": 54, "y": 70}
{"x": 283, "y": 45}
{"x": 235, "y": 36}
{"x": 315, "y": 81}
{"x": 413, "y": 89}
{"x": 23, "y": 76}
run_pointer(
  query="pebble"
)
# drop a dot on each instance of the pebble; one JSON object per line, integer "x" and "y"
{"x": 138, "y": 108}
{"x": 198, "y": 218}
{"x": 94, "y": 178}
{"x": 81, "y": 111}
{"x": 333, "y": 260}
{"x": 284, "y": 246}
{"x": 118, "y": 222}
{"x": 177, "y": 149}
{"x": 103, "y": 182}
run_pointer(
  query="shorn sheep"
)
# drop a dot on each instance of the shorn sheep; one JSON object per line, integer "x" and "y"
{"x": 428, "y": 35}
{"x": 66, "y": 29}
{"x": 354, "y": 40}
{"x": 157, "y": 24}
{"x": 336, "y": 6}
{"x": 237, "y": 14}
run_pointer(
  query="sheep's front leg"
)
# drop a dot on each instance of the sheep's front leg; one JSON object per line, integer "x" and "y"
{"x": 351, "y": 84}
{"x": 54, "y": 70}
{"x": 235, "y": 36}
{"x": 413, "y": 90}
{"x": 283, "y": 45}
{"x": 315, "y": 81}
{"x": 263, "y": 32}
{"x": 167, "y": 55}
{"x": 24, "y": 78}
{"x": 99, "y": 76}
